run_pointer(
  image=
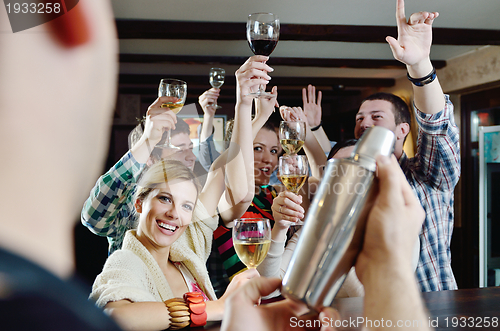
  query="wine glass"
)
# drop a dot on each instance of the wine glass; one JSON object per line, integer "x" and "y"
{"x": 292, "y": 135}
{"x": 176, "y": 91}
{"x": 292, "y": 171}
{"x": 263, "y": 31}
{"x": 251, "y": 240}
{"x": 216, "y": 78}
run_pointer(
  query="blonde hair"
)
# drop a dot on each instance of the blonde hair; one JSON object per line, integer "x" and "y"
{"x": 163, "y": 172}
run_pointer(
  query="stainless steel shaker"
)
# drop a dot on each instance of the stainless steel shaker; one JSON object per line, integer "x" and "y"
{"x": 333, "y": 230}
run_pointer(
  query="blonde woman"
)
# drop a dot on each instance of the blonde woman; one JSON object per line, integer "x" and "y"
{"x": 156, "y": 263}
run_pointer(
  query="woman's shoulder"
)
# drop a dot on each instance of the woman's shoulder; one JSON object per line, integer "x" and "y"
{"x": 122, "y": 258}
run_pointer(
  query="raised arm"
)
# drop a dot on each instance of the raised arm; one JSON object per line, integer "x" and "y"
{"x": 315, "y": 154}
{"x": 313, "y": 113}
{"x": 208, "y": 153}
{"x": 108, "y": 210}
{"x": 158, "y": 120}
{"x": 207, "y": 101}
{"x": 413, "y": 48}
{"x": 232, "y": 173}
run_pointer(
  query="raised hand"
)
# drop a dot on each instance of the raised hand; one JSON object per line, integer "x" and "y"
{"x": 293, "y": 114}
{"x": 249, "y": 76}
{"x": 264, "y": 107}
{"x": 208, "y": 100}
{"x": 312, "y": 106}
{"x": 414, "y": 36}
{"x": 158, "y": 120}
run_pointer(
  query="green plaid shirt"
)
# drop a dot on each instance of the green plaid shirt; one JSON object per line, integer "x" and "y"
{"x": 108, "y": 212}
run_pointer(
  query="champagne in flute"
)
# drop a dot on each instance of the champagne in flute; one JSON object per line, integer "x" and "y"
{"x": 251, "y": 240}
{"x": 263, "y": 31}
{"x": 292, "y": 171}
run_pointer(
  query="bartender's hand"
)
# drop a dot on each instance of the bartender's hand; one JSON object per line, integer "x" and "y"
{"x": 243, "y": 313}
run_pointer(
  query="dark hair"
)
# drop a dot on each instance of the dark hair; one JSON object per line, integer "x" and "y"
{"x": 338, "y": 146}
{"x": 180, "y": 127}
{"x": 401, "y": 110}
{"x": 269, "y": 125}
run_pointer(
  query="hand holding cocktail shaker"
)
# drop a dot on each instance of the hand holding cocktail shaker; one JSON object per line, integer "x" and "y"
{"x": 335, "y": 223}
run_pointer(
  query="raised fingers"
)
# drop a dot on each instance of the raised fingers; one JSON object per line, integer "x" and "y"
{"x": 400, "y": 13}
{"x": 312, "y": 93}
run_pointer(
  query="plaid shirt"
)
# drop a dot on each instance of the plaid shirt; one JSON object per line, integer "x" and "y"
{"x": 108, "y": 212}
{"x": 433, "y": 174}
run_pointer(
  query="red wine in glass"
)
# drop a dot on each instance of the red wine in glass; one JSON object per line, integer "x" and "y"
{"x": 262, "y": 46}
{"x": 263, "y": 30}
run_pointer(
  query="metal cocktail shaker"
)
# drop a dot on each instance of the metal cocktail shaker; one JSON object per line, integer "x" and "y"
{"x": 333, "y": 230}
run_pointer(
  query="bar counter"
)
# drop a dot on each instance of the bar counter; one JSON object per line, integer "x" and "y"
{"x": 464, "y": 309}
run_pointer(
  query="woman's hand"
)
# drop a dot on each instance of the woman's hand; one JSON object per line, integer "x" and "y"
{"x": 249, "y": 76}
{"x": 264, "y": 107}
{"x": 293, "y": 114}
{"x": 207, "y": 101}
{"x": 239, "y": 280}
{"x": 287, "y": 210}
{"x": 312, "y": 106}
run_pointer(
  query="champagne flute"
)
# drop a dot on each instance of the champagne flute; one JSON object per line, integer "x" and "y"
{"x": 216, "y": 78}
{"x": 292, "y": 135}
{"x": 251, "y": 240}
{"x": 176, "y": 91}
{"x": 263, "y": 31}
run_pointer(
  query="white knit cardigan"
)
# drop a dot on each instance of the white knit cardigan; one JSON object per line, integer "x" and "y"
{"x": 132, "y": 273}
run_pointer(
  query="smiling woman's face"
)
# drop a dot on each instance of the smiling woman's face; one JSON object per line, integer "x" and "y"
{"x": 265, "y": 153}
{"x": 165, "y": 213}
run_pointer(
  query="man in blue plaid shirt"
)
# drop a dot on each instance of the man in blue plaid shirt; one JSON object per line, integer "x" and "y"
{"x": 434, "y": 171}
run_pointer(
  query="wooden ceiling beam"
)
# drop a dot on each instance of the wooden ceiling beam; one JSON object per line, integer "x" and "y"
{"x": 273, "y": 61}
{"x": 202, "y": 80}
{"x": 156, "y": 29}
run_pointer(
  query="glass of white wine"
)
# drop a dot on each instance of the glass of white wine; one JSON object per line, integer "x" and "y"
{"x": 292, "y": 135}
{"x": 251, "y": 240}
{"x": 175, "y": 93}
{"x": 216, "y": 79}
{"x": 292, "y": 171}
